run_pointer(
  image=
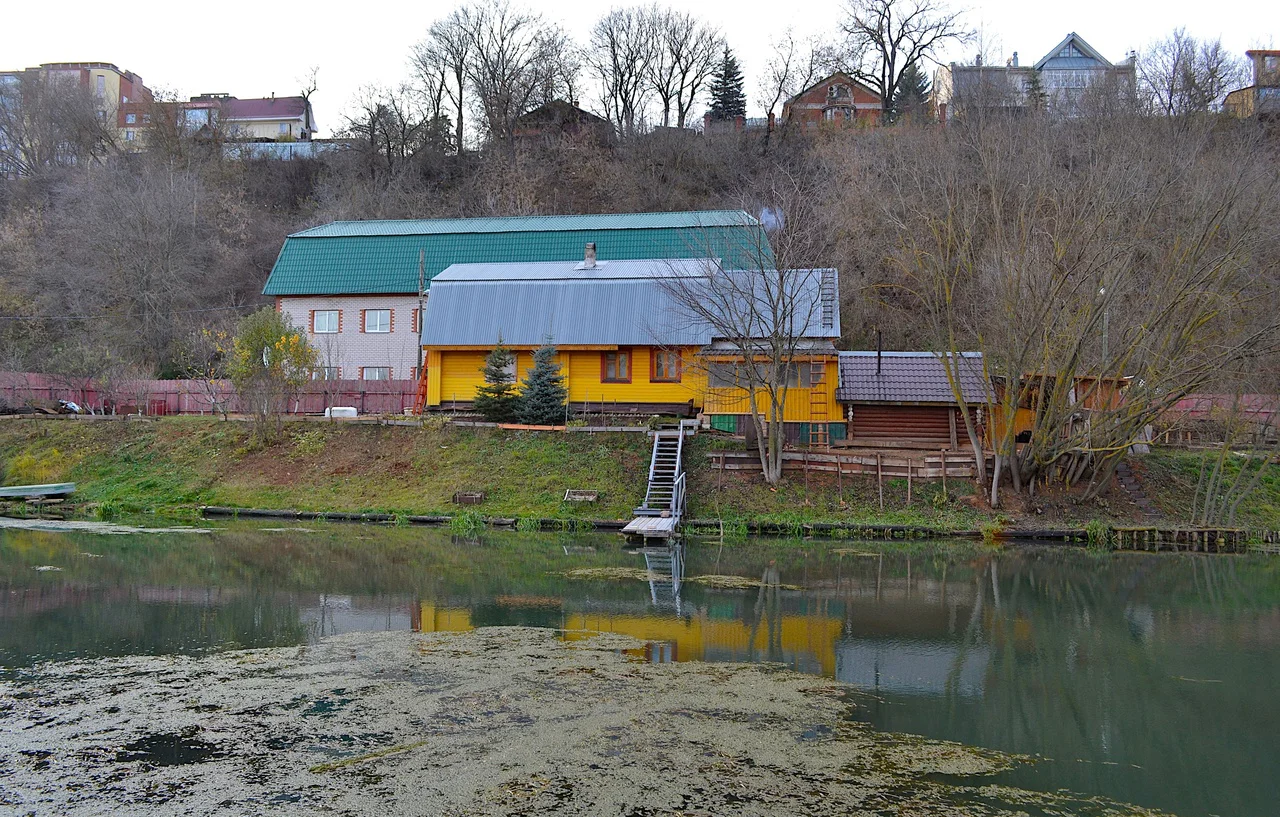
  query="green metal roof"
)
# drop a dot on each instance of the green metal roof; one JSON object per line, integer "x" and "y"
{"x": 357, "y": 257}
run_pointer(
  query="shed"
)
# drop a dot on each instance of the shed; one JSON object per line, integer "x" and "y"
{"x": 905, "y": 399}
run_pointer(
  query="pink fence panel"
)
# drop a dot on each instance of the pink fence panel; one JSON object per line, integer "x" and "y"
{"x": 196, "y": 397}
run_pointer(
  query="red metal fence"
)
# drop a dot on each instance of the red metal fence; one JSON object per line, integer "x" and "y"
{"x": 144, "y": 396}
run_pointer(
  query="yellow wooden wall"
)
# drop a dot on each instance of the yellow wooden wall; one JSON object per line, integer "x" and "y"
{"x": 456, "y": 374}
{"x": 585, "y": 386}
{"x": 799, "y": 407}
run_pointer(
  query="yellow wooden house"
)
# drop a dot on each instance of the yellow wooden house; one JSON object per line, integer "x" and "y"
{"x": 626, "y": 340}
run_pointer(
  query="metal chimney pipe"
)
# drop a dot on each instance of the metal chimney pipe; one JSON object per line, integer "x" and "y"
{"x": 589, "y": 257}
{"x": 879, "y": 344}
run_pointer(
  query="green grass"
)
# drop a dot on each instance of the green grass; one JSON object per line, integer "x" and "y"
{"x": 1170, "y": 477}
{"x": 172, "y": 465}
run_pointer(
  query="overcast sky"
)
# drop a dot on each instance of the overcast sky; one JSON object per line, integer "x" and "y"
{"x": 254, "y": 50}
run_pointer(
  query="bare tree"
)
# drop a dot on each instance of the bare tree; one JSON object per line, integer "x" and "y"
{"x": 1141, "y": 270}
{"x": 622, "y": 50}
{"x": 442, "y": 60}
{"x": 684, "y": 55}
{"x": 886, "y": 37}
{"x": 512, "y": 50}
{"x": 1182, "y": 75}
{"x": 49, "y": 121}
{"x": 764, "y": 318}
{"x": 793, "y": 66}
{"x": 390, "y": 127}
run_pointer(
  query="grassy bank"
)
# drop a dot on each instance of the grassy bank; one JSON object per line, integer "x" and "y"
{"x": 171, "y": 466}
{"x": 1176, "y": 473}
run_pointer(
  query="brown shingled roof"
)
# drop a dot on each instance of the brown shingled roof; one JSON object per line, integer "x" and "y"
{"x": 280, "y": 107}
{"x": 907, "y": 377}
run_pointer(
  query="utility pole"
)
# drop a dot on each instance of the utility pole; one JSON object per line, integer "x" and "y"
{"x": 422, "y": 298}
{"x": 1106, "y": 327}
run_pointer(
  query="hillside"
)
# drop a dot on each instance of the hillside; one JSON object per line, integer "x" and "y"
{"x": 171, "y": 466}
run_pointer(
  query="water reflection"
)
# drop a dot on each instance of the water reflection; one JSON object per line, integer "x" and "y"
{"x": 1147, "y": 678}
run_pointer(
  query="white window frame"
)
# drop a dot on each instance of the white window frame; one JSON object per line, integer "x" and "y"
{"x": 379, "y": 328}
{"x": 335, "y": 314}
{"x": 284, "y": 128}
{"x": 384, "y": 371}
{"x": 130, "y": 118}
{"x": 326, "y": 373}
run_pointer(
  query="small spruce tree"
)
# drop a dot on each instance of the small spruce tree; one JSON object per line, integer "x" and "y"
{"x": 497, "y": 400}
{"x": 543, "y": 399}
{"x": 911, "y": 99}
{"x": 728, "y": 100}
{"x": 1037, "y": 99}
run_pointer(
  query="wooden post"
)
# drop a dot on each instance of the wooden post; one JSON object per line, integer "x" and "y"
{"x": 944, "y": 472}
{"x": 879, "y": 480}
{"x": 954, "y": 441}
{"x": 910, "y": 466}
{"x": 840, "y": 478}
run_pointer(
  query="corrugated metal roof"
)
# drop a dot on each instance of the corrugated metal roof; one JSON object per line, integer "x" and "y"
{"x": 346, "y": 261}
{"x": 631, "y": 312}
{"x": 531, "y": 224}
{"x": 908, "y": 377}
{"x": 480, "y": 304}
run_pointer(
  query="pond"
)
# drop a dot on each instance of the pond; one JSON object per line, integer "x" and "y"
{"x": 1145, "y": 678}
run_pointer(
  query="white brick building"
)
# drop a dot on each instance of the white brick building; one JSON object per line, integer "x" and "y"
{"x": 359, "y": 337}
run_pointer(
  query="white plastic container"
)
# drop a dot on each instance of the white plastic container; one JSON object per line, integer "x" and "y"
{"x": 341, "y": 411}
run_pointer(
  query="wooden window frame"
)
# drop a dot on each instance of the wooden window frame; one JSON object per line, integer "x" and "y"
{"x": 604, "y": 365}
{"x": 653, "y": 366}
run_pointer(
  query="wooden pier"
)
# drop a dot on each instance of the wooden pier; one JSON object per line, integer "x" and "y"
{"x": 659, "y": 516}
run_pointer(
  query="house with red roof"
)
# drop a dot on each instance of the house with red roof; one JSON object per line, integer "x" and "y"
{"x": 267, "y": 119}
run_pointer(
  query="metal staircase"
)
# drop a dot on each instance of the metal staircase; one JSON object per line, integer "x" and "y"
{"x": 664, "y": 499}
{"x": 666, "y": 571}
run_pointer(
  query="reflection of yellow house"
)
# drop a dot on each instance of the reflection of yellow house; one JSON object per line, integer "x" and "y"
{"x": 699, "y": 637}
{"x": 796, "y": 640}
{"x": 626, "y": 340}
{"x": 427, "y": 618}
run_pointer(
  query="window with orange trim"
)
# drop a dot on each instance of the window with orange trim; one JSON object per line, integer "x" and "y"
{"x": 615, "y": 367}
{"x": 664, "y": 367}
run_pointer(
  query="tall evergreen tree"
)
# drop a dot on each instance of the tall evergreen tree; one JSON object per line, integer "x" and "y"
{"x": 911, "y": 99}
{"x": 728, "y": 100}
{"x": 543, "y": 398}
{"x": 497, "y": 400}
{"x": 1037, "y": 97}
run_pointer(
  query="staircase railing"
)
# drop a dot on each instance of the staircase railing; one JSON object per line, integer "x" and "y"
{"x": 677, "y": 497}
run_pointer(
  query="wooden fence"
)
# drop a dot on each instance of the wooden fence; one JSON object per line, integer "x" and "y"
{"x": 160, "y": 397}
{"x": 895, "y": 465}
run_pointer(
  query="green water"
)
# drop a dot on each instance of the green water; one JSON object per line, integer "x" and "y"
{"x": 1151, "y": 679}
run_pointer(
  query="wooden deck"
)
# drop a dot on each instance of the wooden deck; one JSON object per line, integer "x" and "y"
{"x": 652, "y": 527}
